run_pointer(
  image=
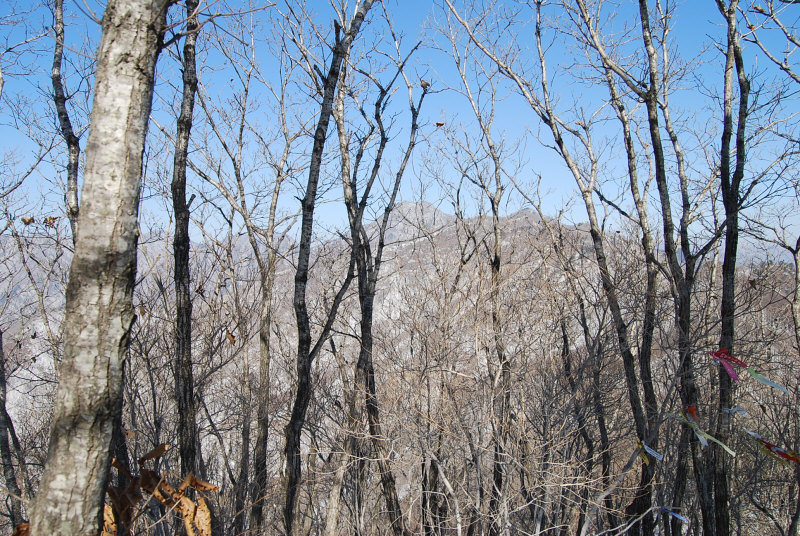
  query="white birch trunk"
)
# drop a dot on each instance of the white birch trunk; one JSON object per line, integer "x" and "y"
{"x": 98, "y": 308}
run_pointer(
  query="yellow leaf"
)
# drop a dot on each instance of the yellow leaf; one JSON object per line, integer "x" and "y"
{"x": 109, "y": 524}
{"x": 187, "y": 509}
{"x": 185, "y": 484}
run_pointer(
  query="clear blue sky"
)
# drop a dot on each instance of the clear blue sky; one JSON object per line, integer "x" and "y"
{"x": 27, "y": 87}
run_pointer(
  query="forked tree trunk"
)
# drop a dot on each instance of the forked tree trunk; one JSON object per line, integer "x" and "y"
{"x": 98, "y": 312}
{"x": 368, "y": 266}
{"x": 305, "y": 351}
{"x": 730, "y": 178}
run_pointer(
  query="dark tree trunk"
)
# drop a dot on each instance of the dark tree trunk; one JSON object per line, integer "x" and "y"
{"x": 262, "y": 420}
{"x": 60, "y": 99}
{"x": 368, "y": 266}
{"x": 184, "y": 377}
{"x": 305, "y": 351}
{"x": 730, "y": 181}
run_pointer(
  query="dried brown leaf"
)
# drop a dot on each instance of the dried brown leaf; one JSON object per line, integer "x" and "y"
{"x": 202, "y": 518}
{"x": 169, "y": 489}
{"x": 155, "y": 453}
{"x": 126, "y": 502}
{"x": 231, "y": 338}
{"x": 119, "y": 466}
{"x": 23, "y": 529}
{"x": 185, "y": 484}
{"x": 187, "y": 509}
{"x": 109, "y": 524}
{"x": 202, "y": 485}
{"x": 150, "y": 482}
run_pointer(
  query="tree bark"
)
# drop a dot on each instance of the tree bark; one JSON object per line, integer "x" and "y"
{"x": 60, "y": 99}
{"x": 241, "y": 484}
{"x": 184, "y": 377}
{"x": 6, "y": 455}
{"x": 305, "y": 351}
{"x": 730, "y": 180}
{"x": 368, "y": 266}
{"x": 98, "y": 312}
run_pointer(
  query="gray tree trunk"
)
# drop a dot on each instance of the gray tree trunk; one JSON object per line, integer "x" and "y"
{"x": 6, "y": 454}
{"x": 99, "y": 314}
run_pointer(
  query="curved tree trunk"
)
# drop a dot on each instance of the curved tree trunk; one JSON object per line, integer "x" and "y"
{"x": 98, "y": 309}
{"x": 60, "y": 99}
{"x": 305, "y": 351}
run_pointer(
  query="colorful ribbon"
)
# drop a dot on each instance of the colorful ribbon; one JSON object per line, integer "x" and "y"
{"x": 727, "y": 361}
{"x": 643, "y": 448}
{"x": 690, "y": 418}
{"x": 761, "y": 379}
{"x": 651, "y": 452}
{"x": 772, "y": 450}
{"x": 674, "y": 514}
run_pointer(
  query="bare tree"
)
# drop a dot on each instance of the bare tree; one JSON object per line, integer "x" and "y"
{"x": 67, "y": 131}
{"x": 6, "y": 454}
{"x": 368, "y": 250}
{"x": 586, "y": 177}
{"x": 253, "y": 190}
{"x": 345, "y": 32}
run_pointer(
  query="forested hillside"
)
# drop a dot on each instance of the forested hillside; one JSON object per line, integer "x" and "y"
{"x": 411, "y": 268}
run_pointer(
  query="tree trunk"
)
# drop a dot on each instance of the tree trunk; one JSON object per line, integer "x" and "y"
{"x": 6, "y": 455}
{"x": 98, "y": 310}
{"x": 305, "y": 352}
{"x": 730, "y": 180}
{"x": 240, "y": 489}
{"x": 184, "y": 377}
{"x": 262, "y": 412}
{"x": 60, "y": 99}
